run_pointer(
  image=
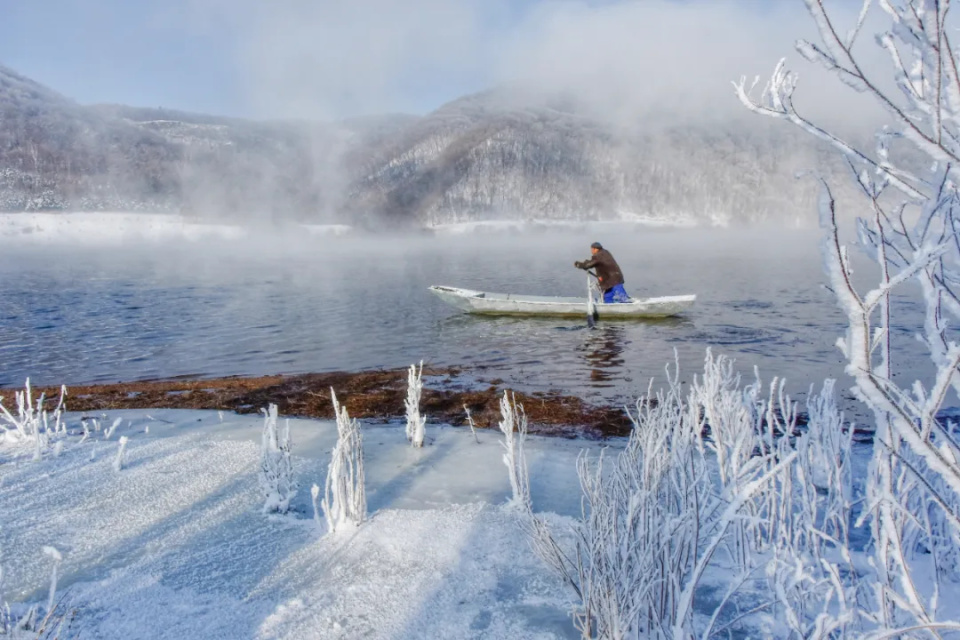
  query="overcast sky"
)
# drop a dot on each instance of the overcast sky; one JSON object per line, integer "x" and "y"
{"x": 323, "y": 59}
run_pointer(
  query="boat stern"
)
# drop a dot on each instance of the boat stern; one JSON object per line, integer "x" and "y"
{"x": 459, "y": 298}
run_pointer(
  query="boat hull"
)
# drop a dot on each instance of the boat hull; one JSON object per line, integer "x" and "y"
{"x": 506, "y": 304}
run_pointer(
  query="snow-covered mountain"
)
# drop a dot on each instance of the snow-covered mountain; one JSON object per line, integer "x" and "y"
{"x": 491, "y": 156}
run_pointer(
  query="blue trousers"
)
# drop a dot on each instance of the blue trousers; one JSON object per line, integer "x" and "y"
{"x": 615, "y": 293}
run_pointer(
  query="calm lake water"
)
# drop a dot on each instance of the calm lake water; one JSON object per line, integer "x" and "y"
{"x": 104, "y": 314}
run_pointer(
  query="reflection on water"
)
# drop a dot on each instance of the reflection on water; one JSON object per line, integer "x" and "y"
{"x": 144, "y": 312}
{"x": 603, "y": 351}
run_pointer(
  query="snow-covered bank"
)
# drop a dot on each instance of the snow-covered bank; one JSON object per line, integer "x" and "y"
{"x": 116, "y": 228}
{"x": 157, "y": 524}
{"x": 626, "y": 220}
{"x": 326, "y": 229}
{"x": 175, "y": 545}
{"x": 86, "y": 228}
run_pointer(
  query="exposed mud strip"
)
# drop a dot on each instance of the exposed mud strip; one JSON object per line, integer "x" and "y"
{"x": 370, "y": 395}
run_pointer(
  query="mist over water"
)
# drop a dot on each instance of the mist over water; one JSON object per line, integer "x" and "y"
{"x": 287, "y": 306}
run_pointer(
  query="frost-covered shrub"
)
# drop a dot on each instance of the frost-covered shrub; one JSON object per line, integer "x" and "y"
{"x": 707, "y": 486}
{"x": 811, "y": 570}
{"x": 276, "y": 469}
{"x": 32, "y": 422}
{"x": 415, "y": 422}
{"x": 345, "y": 498}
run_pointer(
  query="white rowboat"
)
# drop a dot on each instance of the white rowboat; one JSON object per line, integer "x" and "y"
{"x": 510, "y": 304}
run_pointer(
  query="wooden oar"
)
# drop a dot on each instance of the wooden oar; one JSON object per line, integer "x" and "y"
{"x": 592, "y": 314}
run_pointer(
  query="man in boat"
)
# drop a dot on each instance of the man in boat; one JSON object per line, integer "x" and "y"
{"x": 608, "y": 273}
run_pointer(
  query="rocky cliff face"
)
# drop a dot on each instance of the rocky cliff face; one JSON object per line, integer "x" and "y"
{"x": 494, "y": 155}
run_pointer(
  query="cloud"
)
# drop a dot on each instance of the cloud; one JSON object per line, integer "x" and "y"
{"x": 335, "y": 59}
{"x": 327, "y": 59}
{"x": 632, "y": 58}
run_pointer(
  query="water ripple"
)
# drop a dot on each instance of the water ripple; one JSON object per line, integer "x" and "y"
{"x": 357, "y": 304}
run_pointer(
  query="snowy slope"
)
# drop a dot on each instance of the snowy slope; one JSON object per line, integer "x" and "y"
{"x": 175, "y": 545}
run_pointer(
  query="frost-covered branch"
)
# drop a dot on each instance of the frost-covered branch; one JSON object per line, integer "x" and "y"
{"x": 471, "y": 424}
{"x": 28, "y": 624}
{"x": 120, "y": 459}
{"x": 924, "y": 110}
{"x": 776, "y": 101}
{"x": 314, "y": 495}
{"x": 513, "y": 421}
{"x": 912, "y": 500}
{"x": 734, "y": 506}
{"x": 57, "y": 558}
{"x": 113, "y": 427}
{"x": 6, "y": 617}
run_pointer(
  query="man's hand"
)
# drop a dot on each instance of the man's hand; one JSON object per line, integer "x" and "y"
{"x": 578, "y": 264}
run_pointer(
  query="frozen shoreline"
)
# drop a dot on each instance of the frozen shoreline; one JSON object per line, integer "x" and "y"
{"x": 157, "y": 528}
{"x": 175, "y": 545}
{"x": 514, "y": 226}
{"x": 118, "y": 228}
